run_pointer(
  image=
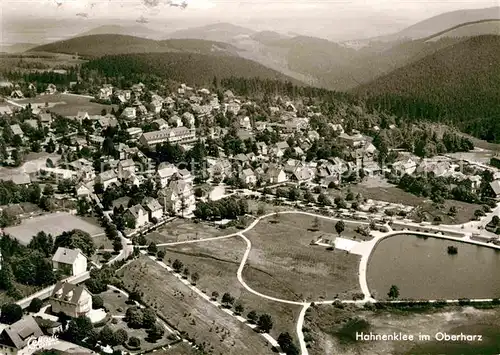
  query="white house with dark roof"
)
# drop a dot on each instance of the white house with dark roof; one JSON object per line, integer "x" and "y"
{"x": 153, "y": 207}
{"x": 107, "y": 178}
{"x": 165, "y": 174}
{"x": 16, "y": 130}
{"x": 15, "y": 338}
{"x": 138, "y": 214}
{"x": 70, "y": 261}
{"x": 70, "y": 299}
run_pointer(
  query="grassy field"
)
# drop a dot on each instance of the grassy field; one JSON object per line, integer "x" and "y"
{"x": 180, "y": 230}
{"x": 138, "y": 333}
{"x": 102, "y": 240}
{"x": 216, "y": 262}
{"x": 24, "y": 289}
{"x": 53, "y": 223}
{"x": 186, "y": 311}
{"x": 465, "y": 212}
{"x": 330, "y": 331}
{"x": 179, "y": 349}
{"x": 115, "y": 302}
{"x": 283, "y": 250}
{"x": 69, "y": 105}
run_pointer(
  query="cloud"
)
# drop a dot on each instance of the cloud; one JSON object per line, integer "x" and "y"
{"x": 151, "y": 3}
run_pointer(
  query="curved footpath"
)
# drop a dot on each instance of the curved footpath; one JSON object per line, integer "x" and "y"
{"x": 364, "y": 249}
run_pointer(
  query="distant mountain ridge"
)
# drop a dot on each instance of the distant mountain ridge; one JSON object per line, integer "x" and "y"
{"x": 469, "y": 29}
{"x": 219, "y": 32}
{"x": 108, "y": 44}
{"x": 458, "y": 84}
{"x": 441, "y": 22}
{"x": 129, "y": 30}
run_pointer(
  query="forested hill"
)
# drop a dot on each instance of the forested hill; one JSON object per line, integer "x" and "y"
{"x": 458, "y": 85}
{"x": 110, "y": 44}
{"x": 194, "y": 69}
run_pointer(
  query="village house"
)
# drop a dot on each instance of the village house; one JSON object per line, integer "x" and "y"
{"x": 5, "y": 110}
{"x": 403, "y": 167}
{"x": 160, "y": 124}
{"x": 164, "y": 175}
{"x": 245, "y": 123}
{"x": 82, "y": 115}
{"x": 153, "y": 207}
{"x": 125, "y": 166}
{"x": 354, "y": 141}
{"x": 15, "y": 337}
{"x": 107, "y": 178}
{"x": 134, "y": 132}
{"x": 188, "y": 119}
{"x": 16, "y": 130}
{"x": 175, "y": 121}
{"x": 178, "y": 198}
{"x": 232, "y": 107}
{"x": 278, "y": 150}
{"x": 69, "y": 261}
{"x": 261, "y": 148}
{"x": 221, "y": 169}
{"x": 45, "y": 119}
{"x": 248, "y": 176}
{"x": 129, "y": 113}
{"x": 51, "y": 89}
{"x": 82, "y": 190}
{"x": 105, "y": 92}
{"x": 70, "y": 299}
{"x": 275, "y": 175}
{"x": 17, "y": 94}
{"x": 495, "y": 187}
{"x": 138, "y": 214}
{"x": 174, "y": 135}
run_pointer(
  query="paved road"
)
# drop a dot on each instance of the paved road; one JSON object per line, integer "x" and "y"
{"x": 46, "y": 292}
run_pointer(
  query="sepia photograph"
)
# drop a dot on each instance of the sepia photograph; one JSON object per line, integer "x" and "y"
{"x": 226, "y": 177}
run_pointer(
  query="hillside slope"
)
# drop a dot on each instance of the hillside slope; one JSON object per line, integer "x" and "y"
{"x": 219, "y": 32}
{"x": 459, "y": 84}
{"x": 470, "y": 29}
{"x": 129, "y": 30}
{"x": 109, "y": 44}
{"x": 191, "y": 68}
{"x": 442, "y": 22}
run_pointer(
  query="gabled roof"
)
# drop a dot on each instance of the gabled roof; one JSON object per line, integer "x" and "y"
{"x": 68, "y": 292}
{"x": 135, "y": 210}
{"x": 21, "y": 331}
{"x": 167, "y": 171}
{"x": 16, "y": 129}
{"x": 495, "y": 185}
{"x": 151, "y": 204}
{"x": 66, "y": 256}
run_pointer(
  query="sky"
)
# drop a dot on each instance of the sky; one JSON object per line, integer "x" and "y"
{"x": 337, "y": 18}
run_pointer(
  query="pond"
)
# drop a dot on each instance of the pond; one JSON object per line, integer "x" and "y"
{"x": 423, "y": 269}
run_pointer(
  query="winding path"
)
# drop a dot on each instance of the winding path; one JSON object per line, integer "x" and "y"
{"x": 364, "y": 249}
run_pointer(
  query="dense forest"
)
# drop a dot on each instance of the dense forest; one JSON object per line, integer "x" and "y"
{"x": 195, "y": 69}
{"x": 459, "y": 85}
{"x": 112, "y": 44}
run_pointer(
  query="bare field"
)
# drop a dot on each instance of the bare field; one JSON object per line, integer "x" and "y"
{"x": 54, "y": 223}
{"x": 189, "y": 313}
{"x": 325, "y": 321}
{"x": 217, "y": 269}
{"x": 180, "y": 230}
{"x": 283, "y": 250}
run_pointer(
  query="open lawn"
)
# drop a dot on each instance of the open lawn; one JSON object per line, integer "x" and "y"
{"x": 68, "y": 105}
{"x": 102, "y": 241}
{"x": 189, "y": 313}
{"x": 114, "y": 302}
{"x": 216, "y": 262}
{"x": 283, "y": 251}
{"x": 331, "y": 330}
{"x": 180, "y": 230}
{"x": 53, "y": 223}
{"x": 139, "y": 333}
{"x": 182, "y": 348}
{"x": 465, "y": 212}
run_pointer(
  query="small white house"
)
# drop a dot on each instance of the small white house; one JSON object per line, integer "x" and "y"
{"x": 70, "y": 261}
{"x": 70, "y": 299}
